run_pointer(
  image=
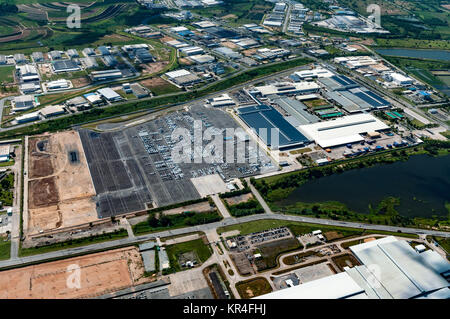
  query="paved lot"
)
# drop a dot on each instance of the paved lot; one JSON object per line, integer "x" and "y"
{"x": 134, "y": 167}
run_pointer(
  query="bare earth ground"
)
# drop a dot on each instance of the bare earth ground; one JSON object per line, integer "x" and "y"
{"x": 151, "y": 68}
{"x": 100, "y": 273}
{"x": 153, "y": 82}
{"x": 239, "y": 199}
{"x": 60, "y": 192}
{"x": 80, "y": 82}
{"x": 199, "y": 208}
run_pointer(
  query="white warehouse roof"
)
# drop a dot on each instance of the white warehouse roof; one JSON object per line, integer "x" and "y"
{"x": 346, "y": 129}
{"x": 177, "y": 73}
{"x": 402, "y": 271}
{"x": 337, "y": 286}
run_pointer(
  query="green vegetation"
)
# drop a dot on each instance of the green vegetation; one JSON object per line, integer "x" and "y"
{"x": 276, "y": 188}
{"x": 163, "y": 222}
{"x": 238, "y": 12}
{"x": 5, "y": 249}
{"x": 249, "y": 207}
{"x": 254, "y": 287}
{"x": 6, "y": 193}
{"x": 413, "y": 43}
{"x": 121, "y": 109}
{"x": 7, "y": 74}
{"x": 118, "y": 234}
{"x": 422, "y": 69}
{"x": 271, "y": 251}
{"x": 201, "y": 250}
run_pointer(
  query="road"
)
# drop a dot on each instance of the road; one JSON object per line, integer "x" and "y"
{"x": 71, "y": 252}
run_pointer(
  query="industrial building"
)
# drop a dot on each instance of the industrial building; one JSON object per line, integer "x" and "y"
{"x": 3, "y": 60}
{"x": 399, "y": 79}
{"x": 103, "y": 50}
{"x": 52, "y": 110}
{"x": 109, "y": 94}
{"x": 72, "y": 53}
{"x": 223, "y": 100}
{"x": 88, "y": 52}
{"x": 54, "y": 55}
{"x": 344, "y": 130}
{"x": 182, "y": 77}
{"x": 27, "y": 73}
{"x": 5, "y": 152}
{"x": 29, "y": 117}
{"x": 228, "y": 53}
{"x": 65, "y": 66}
{"x": 311, "y": 74}
{"x": 338, "y": 82}
{"x": 23, "y": 103}
{"x": 89, "y": 62}
{"x": 268, "y": 123}
{"x": 391, "y": 269}
{"x": 143, "y": 55}
{"x": 106, "y": 75}
{"x": 284, "y": 88}
{"x": 191, "y": 50}
{"x": 138, "y": 90}
{"x": 20, "y": 58}
{"x": 94, "y": 99}
{"x": 37, "y": 56}
{"x": 202, "y": 58}
{"x": 78, "y": 103}
{"x": 297, "y": 110}
{"x": 29, "y": 87}
{"x": 58, "y": 85}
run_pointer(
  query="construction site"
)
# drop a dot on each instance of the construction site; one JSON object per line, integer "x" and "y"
{"x": 99, "y": 274}
{"x": 60, "y": 189}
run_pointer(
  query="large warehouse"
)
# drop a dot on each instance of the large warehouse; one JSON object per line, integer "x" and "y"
{"x": 344, "y": 130}
{"x": 264, "y": 118}
{"x": 391, "y": 269}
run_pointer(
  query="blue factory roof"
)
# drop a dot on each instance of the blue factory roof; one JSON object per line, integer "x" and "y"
{"x": 262, "y": 117}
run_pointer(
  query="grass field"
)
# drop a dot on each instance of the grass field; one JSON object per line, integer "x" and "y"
{"x": 5, "y": 249}
{"x": 253, "y": 288}
{"x": 6, "y": 74}
{"x": 73, "y": 243}
{"x": 202, "y": 251}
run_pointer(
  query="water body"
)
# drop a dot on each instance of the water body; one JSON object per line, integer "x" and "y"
{"x": 441, "y": 55}
{"x": 422, "y": 183}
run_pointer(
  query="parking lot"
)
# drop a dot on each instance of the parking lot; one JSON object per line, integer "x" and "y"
{"x": 369, "y": 145}
{"x": 244, "y": 243}
{"x": 134, "y": 170}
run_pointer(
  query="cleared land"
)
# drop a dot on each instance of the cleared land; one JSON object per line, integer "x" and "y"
{"x": 99, "y": 274}
{"x": 60, "y": 188}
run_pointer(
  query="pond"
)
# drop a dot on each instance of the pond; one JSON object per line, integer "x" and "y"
{"x": 441, "y": 55}
{"x": 422, "y": 183}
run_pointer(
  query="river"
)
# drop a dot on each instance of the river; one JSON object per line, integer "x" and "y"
{"x": 422, "y": 183}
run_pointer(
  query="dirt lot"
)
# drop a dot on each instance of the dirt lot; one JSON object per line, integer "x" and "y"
{"x": 198, "y": 208}
{"x": 80, "y": 82}
{"x": 151, "y": 68}
{"x": 239, "y": 199}
{"x": 99, "y": 274}
{"x": 60, "y": 188}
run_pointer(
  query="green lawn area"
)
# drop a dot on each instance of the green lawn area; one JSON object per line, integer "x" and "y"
{"x": 299, "y": 228}
{"x": 6, "y": 74}
{"x": 413, "y": 43}
{"x": 202, "y": 251}
{"x": 5, "y": 249}
{"x": 253, "y": 287}
{"x": 165, "y": 88}
{"x": 73, "y": 243}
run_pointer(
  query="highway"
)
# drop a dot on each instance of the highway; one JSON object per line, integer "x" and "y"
{"x": 72, "y": 252}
